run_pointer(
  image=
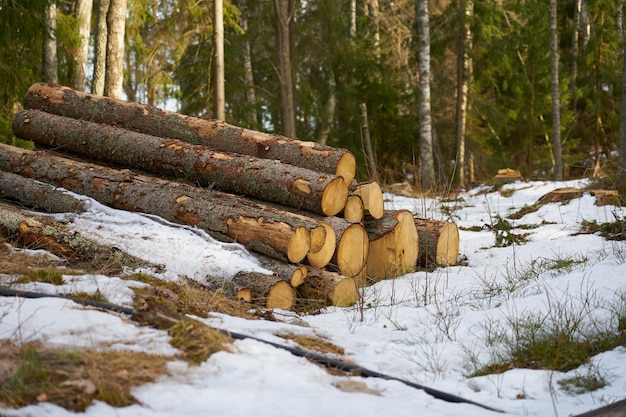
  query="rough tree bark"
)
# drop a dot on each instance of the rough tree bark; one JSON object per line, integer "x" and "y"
{"x": 215, "y": 134}
{"x": 254, "y": 287}
{"x": 438, "y": 243}
{"x": 36, "y": 232}
{"x": 260, "y": 228}
{"x": 38, "y": 195}
{"x": 262, "y": 178}
{"x": 330, "y": 287}
{"x": 100, "y": 48}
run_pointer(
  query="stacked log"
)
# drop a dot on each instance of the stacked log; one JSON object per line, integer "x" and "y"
{"x": 293, "y": 203}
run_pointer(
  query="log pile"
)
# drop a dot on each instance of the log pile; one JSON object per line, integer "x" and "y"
{"x": 295, "y": 204}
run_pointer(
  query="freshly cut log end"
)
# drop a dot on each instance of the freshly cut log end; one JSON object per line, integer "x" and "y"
{"x": 325, "y": 252}
{"x": 346, "y": 168}
{"x": 299, "y": 245}
{"x": 298, "y": 276}
{"x": 393, "y": 246}
{"x": 332, "y": 288}
{"x": 334, "y": 197}
{"x": 353, "y": 212}
{"x": 318, "y": 239}
{"x": 372, "y": 197}
{"x": 282, "y": 296}
{"x": 438, "y": 242}
{"x": 352, "y": 250}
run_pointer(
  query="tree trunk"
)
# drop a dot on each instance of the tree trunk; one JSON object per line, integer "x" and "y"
{"x": 220, "y": 99}
{"x": 293, "y": 274}
{"x": 438, "y": 243}
{"x": 622, "y": 131}
{"x": 83, "y": 14}
{"x": 49, "y": 53}
{"x": 99, "y": 65}
{"x": 427, "y": 164}
{"x": 578, "y": 4}
{"x": 262, "y": 178}
{"x": 37, "y": 195}
{"x": 215, "y": 134}
{"x": 556, "y": 95}
{"x": 464, "y": 71}
{"x": 393, "y": 245}
{"x": 114, "y": 71}
{"x": 259, "y": 227}
{"x": 284, "y": 13}
{"x": 269, "y": 291}
{"x": 247, "y": 68}
{"x": 36, "y": 232}
{"x": 330, "y": 287}
{"x": 368, "y": 145}
{"x": 353, "y": 247}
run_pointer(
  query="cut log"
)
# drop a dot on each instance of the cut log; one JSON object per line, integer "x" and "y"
{"x": 438, "y": 243}
{"x": 354, "y": 210}
{"x": 254, "y": 287}
{"x": 329, "y": 287}
{"x": 393, "y": 245}
{"x": 321, "y": 254}
{"x": 352, "y": 249}
{"x": 215, "y": 134}
{"x": 277, "y": 234}
{"x": 265, "y": 179}
{"x": 372, "y": 197}
{"x": 38, "y": 195}
{"x": 37, "y": 232}
{"x": 294, "y": 274}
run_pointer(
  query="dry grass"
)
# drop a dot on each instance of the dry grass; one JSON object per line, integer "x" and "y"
{"x": 313, "y": 343}
{"x": 72, "y": 378}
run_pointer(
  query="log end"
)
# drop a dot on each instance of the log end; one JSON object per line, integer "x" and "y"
{"x": 282, "y": 296}
{"x": 448, "y": 245}
{"x": 372, "y": 197}
{"x": 353, "y": 212}
{"x": 334, "y": 197}
{"x": 299, "y": 245}
{"x": 298, "y": 276}
{"x": 346, "y": 168}
{"x": 325, "y": 252}
{"x": 352, "y": 250}
{"x": 346, "y": 293}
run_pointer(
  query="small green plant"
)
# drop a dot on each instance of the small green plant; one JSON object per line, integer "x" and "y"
{"x": 49, "y": 276}
{"x": 504, "y": 233}
{"x": 611, "y": 231}
{"x": 581, "y": 383}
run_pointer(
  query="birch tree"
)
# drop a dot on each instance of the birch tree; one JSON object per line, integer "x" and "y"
{"x": 427, "y": 164}
{"x": 83, "y": 14}
{"x": 100, "y": 54}
{"x": 220, "y": 99}
{"x": 50, "y": 63}
{"x": 464, "y": 71}
{"x": 556, "y": 96}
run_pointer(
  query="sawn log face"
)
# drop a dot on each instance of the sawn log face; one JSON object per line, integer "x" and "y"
{"x": 260, "y": 178}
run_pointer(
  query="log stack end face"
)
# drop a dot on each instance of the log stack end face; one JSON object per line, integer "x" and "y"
{"x": 334, "y": 197}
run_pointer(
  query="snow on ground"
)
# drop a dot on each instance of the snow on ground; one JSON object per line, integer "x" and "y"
{"x": 427, "y": 327}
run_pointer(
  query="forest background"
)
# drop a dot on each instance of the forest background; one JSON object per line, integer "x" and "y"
{"x": 452, "y": 90}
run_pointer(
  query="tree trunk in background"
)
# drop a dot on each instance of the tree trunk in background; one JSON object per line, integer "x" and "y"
{"x": 83, "y": 14}
{"x": 284, "y": 13}
{"x": 427, "y": 164}
{"x": 556, "y": 94}
{"x": 99, "y": 65}
{"x": 114, "y": 72}
{"x": 220, "y": 100}
{"x": 464, "y": 68}
{"x": 253, "y": 122}
{"x": 622, "y": 131}
{"x": 373, "y": 170}
{"x": 575, "y": 45}
{"x": 331, "y": 105}
{"x": 49, "y": 53}
{"x": 352, "y": 19}
{"x": 373, "y": 11}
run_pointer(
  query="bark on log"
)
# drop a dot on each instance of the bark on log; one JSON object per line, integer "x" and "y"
{"x": 372, "y": 197}
{"x": 294, "y": 274}
{"x": 257, "y": 288}
{"x": 36, "y": 232}
{"x": 224, "y": 216}
{"x": 37, "y": 195}
{"x": 393, "y": 244}
{"x": 215, "y": 134}
{"x": 438, "y": 243}
{"x": 329, "y": 287}
{"x": 265, "y": 179}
